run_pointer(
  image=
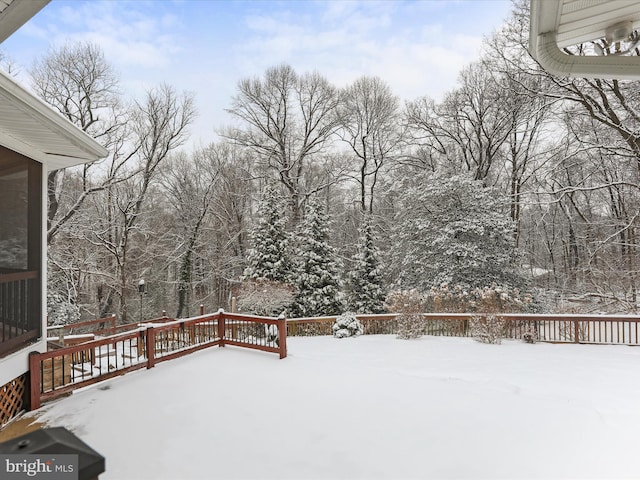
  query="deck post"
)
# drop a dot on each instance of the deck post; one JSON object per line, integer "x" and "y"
{"x": 150, "y": 339}
{"x": 576, "y": 331}
{"x": 221, "y": 327}
{"x": 282, "y": 336}
{"x": 35, "y": 379}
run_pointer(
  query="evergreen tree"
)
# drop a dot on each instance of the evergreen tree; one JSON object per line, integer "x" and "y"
{"x": 315, "y": 273}
{"x": 269, "y": 258}
{"x": 366, "y": 294}
{"x": 453, "y": 230}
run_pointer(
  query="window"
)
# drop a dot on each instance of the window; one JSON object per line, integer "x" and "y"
{"x": 20, "y": 250}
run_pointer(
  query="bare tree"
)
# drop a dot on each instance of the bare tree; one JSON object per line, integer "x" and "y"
{"x": 287, "y": 119}
{"x": 595, "y": 185}
{"x": 190, "y": 187}
{"x": 530, "y": 116}
{"x": 8, "y": 65}
{"x": 469, "y": 127}
{"x": 159, "y": 126}
{"x": 370, "y": 124}
{"x": 79, "y": 82}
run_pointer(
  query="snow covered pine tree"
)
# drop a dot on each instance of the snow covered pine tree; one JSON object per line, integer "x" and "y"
{"x": 365, "y": 292}
{"x": 315, "y": 274}
{"x": 269, "y": 257}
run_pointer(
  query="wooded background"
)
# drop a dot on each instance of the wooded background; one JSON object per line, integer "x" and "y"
{"x": 516, "y": 178}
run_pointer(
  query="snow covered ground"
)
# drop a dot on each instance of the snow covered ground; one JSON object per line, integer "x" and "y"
{"x": 369, "y": 407}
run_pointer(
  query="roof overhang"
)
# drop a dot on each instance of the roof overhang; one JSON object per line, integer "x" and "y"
{"x": 15, "y": 13}
{"x": 556, "y": 24}
{"x": 27, "y": 124}
{"x": 31, "y": 127}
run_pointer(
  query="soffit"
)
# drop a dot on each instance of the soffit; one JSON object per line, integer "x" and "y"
{"x": 28, "y": 125}
{"x": 15, "y": 13}
{"x": 34, "y": 129}
{"x": 585, "y": 20}
{"x": 556, "y": 24}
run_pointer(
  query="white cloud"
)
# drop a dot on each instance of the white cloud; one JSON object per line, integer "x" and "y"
{"x": 418, "y": 48}
{"x": 352, "y": 39}
{"x": 127, "y": 32}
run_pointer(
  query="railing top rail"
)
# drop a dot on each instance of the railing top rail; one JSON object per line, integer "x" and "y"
{"x": 88, "y": 336}
{"x": 380, "y": 316}
{"x": 571, "y": 316}
{"x": 254, "y": 318}
{"x": 181, "y": 321}
{"x": 86, "y": 323}
{"x": 16, "y": 276}
{"x": 164, "y": 319}
{"x": 91, "y": 344}
{"x": 466, "y": 316}
{"x": 127, "y": 326}
{"x": 312, "y": 319}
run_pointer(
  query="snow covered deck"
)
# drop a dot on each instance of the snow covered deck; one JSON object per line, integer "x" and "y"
{"x": 369, "y": 407}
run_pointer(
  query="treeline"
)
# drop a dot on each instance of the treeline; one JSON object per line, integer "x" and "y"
{"x": 515, "y": 178}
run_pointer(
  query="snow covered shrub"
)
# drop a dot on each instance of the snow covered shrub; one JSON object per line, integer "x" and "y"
{"x": 264, "y": 297}
{"x": 60, "y": 311}
{"x": 488, "y": 300}
{"x": 347, "y": 325}
{"x": 487, "y": 328}
{"x": 408, "y": 303}
{"x": 530, "y": 336}
{"x": 493, "y": 299}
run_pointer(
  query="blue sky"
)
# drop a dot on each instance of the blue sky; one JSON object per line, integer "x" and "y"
{"x": 207, "y": 46}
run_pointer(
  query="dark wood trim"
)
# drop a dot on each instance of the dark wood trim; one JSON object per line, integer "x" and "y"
{"x": 17, "y": 343}
{"x": 14, "y": 277}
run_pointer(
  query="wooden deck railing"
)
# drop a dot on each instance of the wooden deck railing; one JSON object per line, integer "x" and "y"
{"x": 101, "y": 327}
{"x": 62, "y": 370}
{"x": 594, "y": 329}
{"x": 105, "y": 326}
{"x": 19, "y": 310}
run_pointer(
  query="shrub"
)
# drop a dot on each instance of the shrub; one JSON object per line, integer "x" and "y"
{"x": 61, "y": 311}
{"x": 493, "y": 299}
{"x": 408, "y": 304}
{"x": 530, "y": 336}
{"x": 264, "y": 297}
{"x": 487, "y": 328}
{"x": 487, "y": 301}
{"x": 347, "y": 325}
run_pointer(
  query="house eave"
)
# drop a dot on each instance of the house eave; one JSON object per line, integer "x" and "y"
{"x": 16, "y": 14}
{"x": 556, "y": 24}
{"x": 36, "y": 130}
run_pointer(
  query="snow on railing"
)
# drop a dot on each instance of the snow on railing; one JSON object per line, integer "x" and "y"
{"x": 60, "y": 371}
{"x": 63, "y": 370}
{"x": 554, "y": 328}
